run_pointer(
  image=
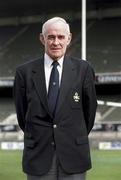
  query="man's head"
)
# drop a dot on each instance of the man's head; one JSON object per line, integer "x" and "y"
{"x": 55, "y": 37}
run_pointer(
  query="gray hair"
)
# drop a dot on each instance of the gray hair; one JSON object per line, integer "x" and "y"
{"x": 55, "y": 20}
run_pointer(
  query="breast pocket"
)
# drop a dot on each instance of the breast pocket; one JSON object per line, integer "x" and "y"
{"x": 75, "y": 99}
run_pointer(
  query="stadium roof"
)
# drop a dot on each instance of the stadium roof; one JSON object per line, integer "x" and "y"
{"x": 25, "y": 7}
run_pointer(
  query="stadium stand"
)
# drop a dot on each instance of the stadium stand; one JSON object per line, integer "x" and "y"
{"x": 6, "y": 108}
{"x": 104, "y": 45}
{"x": 21, "y": 46}
{"x": 6, "y": 33}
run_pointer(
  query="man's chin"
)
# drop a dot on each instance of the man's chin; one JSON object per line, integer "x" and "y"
{"x": 56, "y": 56}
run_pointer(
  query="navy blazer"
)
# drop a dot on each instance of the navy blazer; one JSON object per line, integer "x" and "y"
{"x": 66, "y": 133}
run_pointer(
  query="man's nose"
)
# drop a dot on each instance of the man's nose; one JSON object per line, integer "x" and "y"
{"x": 56, "y": 41}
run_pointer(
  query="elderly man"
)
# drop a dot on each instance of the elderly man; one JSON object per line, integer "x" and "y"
{"x": 55, "y": 103}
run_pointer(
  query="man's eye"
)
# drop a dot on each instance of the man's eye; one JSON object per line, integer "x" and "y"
{"x": 61, "y": 37}
{"x": 51, "y": 37}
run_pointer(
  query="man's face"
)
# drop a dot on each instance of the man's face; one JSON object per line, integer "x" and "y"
{"x": 56, "y": 40}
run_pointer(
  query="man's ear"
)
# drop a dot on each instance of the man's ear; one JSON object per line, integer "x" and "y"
{"x": 69, "y": 38}
{"x": 41, "y": 37}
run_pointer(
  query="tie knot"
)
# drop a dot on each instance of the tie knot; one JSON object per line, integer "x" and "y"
{"x": 55, "y": 63}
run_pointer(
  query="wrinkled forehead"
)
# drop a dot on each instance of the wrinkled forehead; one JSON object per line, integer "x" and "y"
{"x": 59, "y": 27}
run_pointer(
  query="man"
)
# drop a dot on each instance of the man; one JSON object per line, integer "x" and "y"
{"x": 55, "y": 102}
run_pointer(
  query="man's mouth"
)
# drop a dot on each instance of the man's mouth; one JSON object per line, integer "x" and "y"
{"x": 55, "y": 48}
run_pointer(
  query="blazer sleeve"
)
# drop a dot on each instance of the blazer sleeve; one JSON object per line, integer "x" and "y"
{"x": 20, "y": 98}
{"x": 89, "y": 98}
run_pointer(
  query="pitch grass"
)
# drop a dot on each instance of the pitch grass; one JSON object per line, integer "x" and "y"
{"x": 106, "y": 165}
{"x": 10, "y": 165}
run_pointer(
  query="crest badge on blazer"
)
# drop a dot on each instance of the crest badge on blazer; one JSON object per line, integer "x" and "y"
{"x": 76, "y": 97}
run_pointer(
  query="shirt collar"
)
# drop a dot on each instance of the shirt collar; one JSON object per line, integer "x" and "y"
{"x": 48, "y": 61}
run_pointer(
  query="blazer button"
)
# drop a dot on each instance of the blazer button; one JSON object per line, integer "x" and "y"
{"x": 54, "y": 126}
{"x": 53, "y": 143}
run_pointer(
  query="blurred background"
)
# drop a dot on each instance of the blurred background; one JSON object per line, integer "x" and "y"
{"x": 20, "y": 25}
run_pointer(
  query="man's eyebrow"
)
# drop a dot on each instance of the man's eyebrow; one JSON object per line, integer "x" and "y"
{"x": 59, "y": 36}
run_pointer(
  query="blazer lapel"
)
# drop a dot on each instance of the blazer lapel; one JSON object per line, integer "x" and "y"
{"x": 68, "y": 77}
{"x": 39, "y": 81}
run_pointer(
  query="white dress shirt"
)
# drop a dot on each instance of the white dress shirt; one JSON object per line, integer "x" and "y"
{"x": 48, "y": 67}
